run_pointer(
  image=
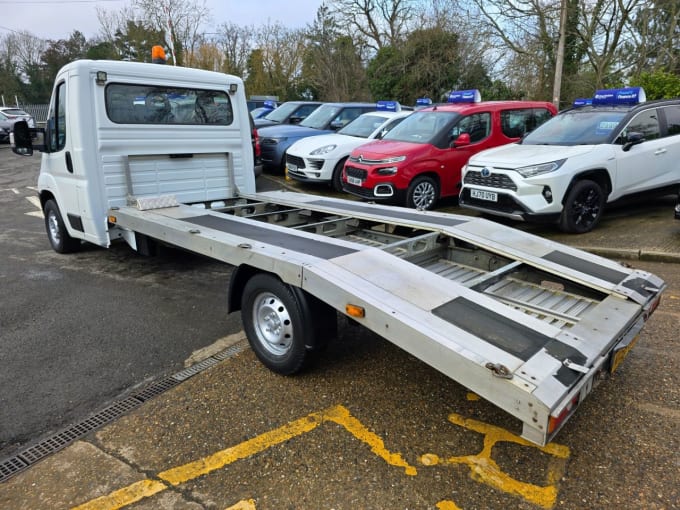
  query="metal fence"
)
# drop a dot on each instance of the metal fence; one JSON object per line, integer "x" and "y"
{"x": 38, "y": 111}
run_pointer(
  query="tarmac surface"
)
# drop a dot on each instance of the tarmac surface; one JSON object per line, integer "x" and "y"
{"x": 116, "y": 464}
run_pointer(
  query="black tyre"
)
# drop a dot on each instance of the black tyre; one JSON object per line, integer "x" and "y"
{"x": 278, "y": 323}
{"x": 336, "y": 180}
{"x": 422, "y": 193}
{"x": 59, "y": 238}
{"x": 582, "y": 208}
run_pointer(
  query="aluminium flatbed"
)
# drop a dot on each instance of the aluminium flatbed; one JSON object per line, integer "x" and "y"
{"x": 524, "y": 322}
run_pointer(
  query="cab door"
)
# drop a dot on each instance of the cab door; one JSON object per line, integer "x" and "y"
{"x": 57, "y": 173}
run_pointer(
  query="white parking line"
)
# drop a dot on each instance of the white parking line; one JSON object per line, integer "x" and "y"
{"x": 36, "y": 202}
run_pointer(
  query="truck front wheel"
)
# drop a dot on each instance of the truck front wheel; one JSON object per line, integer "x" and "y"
{"x": 59, "y": 238}
{"x": 278, "y": 323}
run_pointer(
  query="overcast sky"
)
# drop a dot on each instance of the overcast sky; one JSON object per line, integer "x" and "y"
{"x": 57, "y": 19}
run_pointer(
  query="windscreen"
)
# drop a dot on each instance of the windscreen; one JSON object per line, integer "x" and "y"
{"x": 577, "y": 127}
{"x": 363, "y": 126}
{"x": 422, "y": 127}
{"x": 281, "y": 113}
{"x": 321, "y": 117}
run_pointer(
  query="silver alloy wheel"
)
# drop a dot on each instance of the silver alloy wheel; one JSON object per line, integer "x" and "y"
{"x": 424, "y": 195}
{"x": 272, "y": 323}
{"x": 53, "y": 224}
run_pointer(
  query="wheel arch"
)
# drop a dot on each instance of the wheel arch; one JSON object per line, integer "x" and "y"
{"x": 597, "y": 175}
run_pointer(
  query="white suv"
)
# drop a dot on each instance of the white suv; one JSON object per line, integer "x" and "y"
{"x": 568, "y": 168}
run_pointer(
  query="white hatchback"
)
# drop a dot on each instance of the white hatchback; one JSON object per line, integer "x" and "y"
{"x": 322, "y": 158}
{"x": 570, "y": 167}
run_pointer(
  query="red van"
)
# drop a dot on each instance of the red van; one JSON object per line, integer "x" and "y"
{"x": 420, "y": 160}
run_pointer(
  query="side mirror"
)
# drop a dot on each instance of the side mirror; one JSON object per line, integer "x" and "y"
{"x": 633, "y": 138}
{"x": 462, "y": 140}
{"x": 20, "y": 139}
{"x": 295, "y": 120}
{"x": 336, "y": 125}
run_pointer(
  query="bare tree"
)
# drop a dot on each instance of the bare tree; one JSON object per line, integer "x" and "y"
{"x": 275, "y": 65}
{"x": 604, "y": 27}
{"x": 381, "y": 22}
{"x": 186, "y": 19}
{"x": 235, "y": 44}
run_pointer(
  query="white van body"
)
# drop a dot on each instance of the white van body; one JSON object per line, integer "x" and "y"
{"x": 193, "y": 163}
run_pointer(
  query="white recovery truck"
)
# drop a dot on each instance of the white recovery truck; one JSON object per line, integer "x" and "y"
{"x": 159, "y": 154}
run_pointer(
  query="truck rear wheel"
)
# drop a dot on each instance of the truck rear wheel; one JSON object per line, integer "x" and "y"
{"x": 59, "y": 238}
{"x": 278, "y": 323}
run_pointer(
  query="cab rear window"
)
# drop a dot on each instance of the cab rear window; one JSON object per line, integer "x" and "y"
{"x": 150, "y": 104}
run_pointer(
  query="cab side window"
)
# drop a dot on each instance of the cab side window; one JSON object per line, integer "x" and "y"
{"x": 646, "y": 122}
{"x": 56, "y": 120}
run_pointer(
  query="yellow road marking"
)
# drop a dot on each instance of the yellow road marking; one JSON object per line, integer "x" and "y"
{"x": 175, "y": 476}
{"x": 447, "y": 505}
{"x": 485, "y": 470}
{"x": 248, "y": 504}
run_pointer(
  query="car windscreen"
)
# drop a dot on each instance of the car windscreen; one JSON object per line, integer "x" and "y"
{"x": 321, "y": 117}
{"x": 422, "y": 127}
{"x": 363, "y": 126}
{"x": 281, "y": 113}
{"x": 577, "y": 127}
{"x": 14, "y": 111}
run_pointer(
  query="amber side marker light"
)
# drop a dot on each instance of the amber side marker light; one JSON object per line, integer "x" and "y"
{"x": 355, "y": 311}
{"x": 113, "y": 219}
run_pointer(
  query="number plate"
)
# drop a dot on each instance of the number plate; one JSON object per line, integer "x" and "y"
{"x": 354, "y": 180}
{"x": 620, "y": 355}
{"x": 489, "y": 196}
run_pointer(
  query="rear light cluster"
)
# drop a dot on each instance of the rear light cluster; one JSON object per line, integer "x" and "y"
{"x": 556, "y": 421}
{"x": 256, "y": 143}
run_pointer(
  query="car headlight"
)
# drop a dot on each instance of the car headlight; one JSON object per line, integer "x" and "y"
{"x": 395, "y": 159}
{"x": 273, "y": 141}
{"x": 323, "y": 150}
{"x": 542, "y": 168}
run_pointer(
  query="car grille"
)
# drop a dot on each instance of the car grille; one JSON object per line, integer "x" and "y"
{"x": 295, "y": 160}
{"x": 492, "y": 181}
{"x": 353, "y": 171}
{"x": 358, "y": 190}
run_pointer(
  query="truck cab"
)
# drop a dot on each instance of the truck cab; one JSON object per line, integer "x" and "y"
{"x": 121, "y": 131}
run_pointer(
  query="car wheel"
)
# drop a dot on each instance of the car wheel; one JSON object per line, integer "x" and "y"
{"x": 582, "y": 208}
{"x": 336, "y": 180}
{"x": 422, "y": 193}
{"x": 278, "y": 324}
{"x": 59, "y": 237}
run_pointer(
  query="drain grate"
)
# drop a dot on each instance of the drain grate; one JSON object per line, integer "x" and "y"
{"x": 53, "y": 444}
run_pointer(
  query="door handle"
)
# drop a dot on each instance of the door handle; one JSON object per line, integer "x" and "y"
{"x": 69, "y": 162}
{"x": 660, "y": 151}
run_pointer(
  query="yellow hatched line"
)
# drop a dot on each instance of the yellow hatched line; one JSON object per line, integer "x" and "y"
{"x": 181, "y": 474}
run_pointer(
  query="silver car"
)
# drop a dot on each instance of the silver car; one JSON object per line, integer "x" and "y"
{"x": 8, "y": 116}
